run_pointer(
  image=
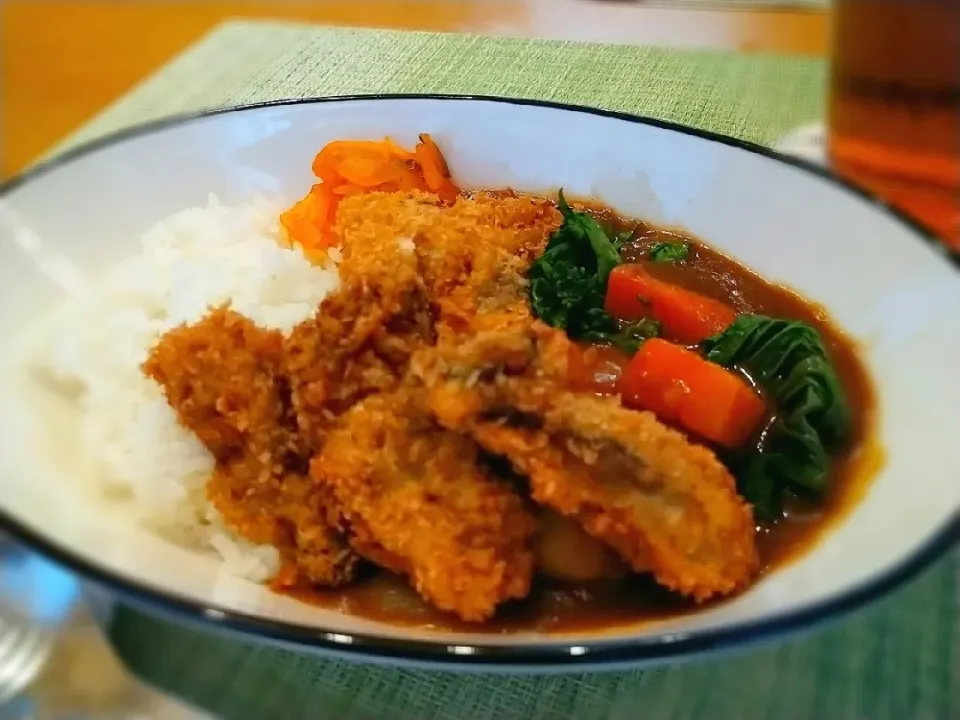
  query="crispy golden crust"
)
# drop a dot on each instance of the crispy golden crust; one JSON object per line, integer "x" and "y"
{"x": 357, "y": 344}
{"x": 471, "y": 257}
{"x": 431, "y": 324}
{"x": 222, "y": 377}
{"x": 408, "y": 265}
{"x": 666, "y": 505}
{"x": 361, "y": 337}
{"x": 313, "y": 535}
{"x": 421, "y": 498}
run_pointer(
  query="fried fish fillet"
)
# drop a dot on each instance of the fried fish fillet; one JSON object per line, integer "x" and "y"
{"x": 223, "y": 378}
{"x": 409, "y": 268}
{"x": 472, "y": 257}
{"x": 420, "y": 504}
{"x": 666, "y": 505}
{"x": 220, "y": 376}
{"x": 360, "y": 339}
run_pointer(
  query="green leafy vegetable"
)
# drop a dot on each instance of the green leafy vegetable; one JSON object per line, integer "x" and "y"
{"x": 788, "y": 360}
{"x": 578, "y": 225}
{"x": 669, "y": 251}
{"x": 568, "y": 283}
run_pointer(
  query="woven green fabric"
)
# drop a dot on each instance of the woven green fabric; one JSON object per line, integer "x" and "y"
{"x": 897, "y": 661}
{"x": 756, "y": 97}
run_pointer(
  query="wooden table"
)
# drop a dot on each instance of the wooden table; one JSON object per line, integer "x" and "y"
{"x": 63, "y": 60}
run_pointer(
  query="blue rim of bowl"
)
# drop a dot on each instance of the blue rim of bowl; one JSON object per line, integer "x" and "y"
{"x": 567, "y": 652}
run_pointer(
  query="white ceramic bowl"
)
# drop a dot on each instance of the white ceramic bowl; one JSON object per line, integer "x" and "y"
{"x": 880, "y": 277}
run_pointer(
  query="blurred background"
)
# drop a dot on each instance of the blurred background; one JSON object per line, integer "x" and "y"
{"x": 54, "y": 78}
{"x": 63, "y": 60}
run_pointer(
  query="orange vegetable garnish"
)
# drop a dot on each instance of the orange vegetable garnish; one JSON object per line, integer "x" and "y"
{"x": 327, "y": 163}
{"x": 435, "y": 170}
{"x": 684, "y": 315}
{"x": 398, "y": 151}
{"x": 681, "y": 387}
{"x": 351, "y": 167}
{"x": 309, "y": 218}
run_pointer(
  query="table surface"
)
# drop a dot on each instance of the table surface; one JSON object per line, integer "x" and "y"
{"x": 54, "y": 77}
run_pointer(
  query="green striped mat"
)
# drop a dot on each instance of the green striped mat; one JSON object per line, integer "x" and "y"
{"x": 897, "y": 661}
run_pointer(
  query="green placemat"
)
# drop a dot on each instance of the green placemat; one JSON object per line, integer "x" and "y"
{"x": 757, "y": 97}
{"x": 897, "y": 661}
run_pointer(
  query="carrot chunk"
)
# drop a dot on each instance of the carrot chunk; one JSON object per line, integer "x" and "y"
{"x": 685, "y": 316}
{"x": 683, "y": 388}
{"x": 435, "y": 170}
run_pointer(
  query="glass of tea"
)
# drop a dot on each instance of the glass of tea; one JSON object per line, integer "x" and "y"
{"x": 894, "y": 121}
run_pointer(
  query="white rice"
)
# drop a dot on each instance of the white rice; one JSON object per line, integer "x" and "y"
{"x": 194, "y": 260}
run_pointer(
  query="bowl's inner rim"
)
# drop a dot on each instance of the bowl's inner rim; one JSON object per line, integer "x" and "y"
{"x": 938, "y": 540}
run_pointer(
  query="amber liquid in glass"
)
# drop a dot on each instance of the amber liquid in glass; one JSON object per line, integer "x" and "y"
{"x": 895, "y": 105}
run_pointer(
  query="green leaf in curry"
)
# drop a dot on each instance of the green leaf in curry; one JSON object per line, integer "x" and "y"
{"x": 580, "y": 225}
{"x": 788, "y": 360}
{"x": 568, "y": 283}
{"x": 669, "y": 251}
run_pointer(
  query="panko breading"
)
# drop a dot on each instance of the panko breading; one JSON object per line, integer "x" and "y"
{"x": 223, "y": 378}
{"x": 357, "y": 344}
{"x": 361, "y": 337}
{"x": 666, "y": 505}
{"x": 409, "y": 266}
{"x": 220, "y": 376}
{"x": 426, "y": 353}
{"x": 472, "y": 257}
{"x": 419, "y": 493}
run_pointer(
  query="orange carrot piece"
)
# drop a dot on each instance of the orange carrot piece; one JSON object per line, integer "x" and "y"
{"x": 397, "y": 151}
{"x": 685, "y": 316}
{"x": 683, "y": 388}
{"x": 345, "y": 189}
{"x": 327, "y": 162}
{"x": 309, "y": 223}
{"x": 370, "y": 172}
{"x": 412, "y": 180}
{"x": 435, "y": 170}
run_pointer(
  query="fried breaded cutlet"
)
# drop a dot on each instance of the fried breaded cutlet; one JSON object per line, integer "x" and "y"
{"x": 666, "y": 505}
{"x": 220, "y": 376}
{"x": 409, "y": 267}
{"x": 223, "y": 378}
{"x": 359, "y": 435}
{"x": 361, "y": 337}
{"x": 430, "y": 510}
{"x": 472, "y": 257}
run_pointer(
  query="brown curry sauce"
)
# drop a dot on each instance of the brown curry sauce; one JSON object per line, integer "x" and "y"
{"x": 560, "y": 607}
